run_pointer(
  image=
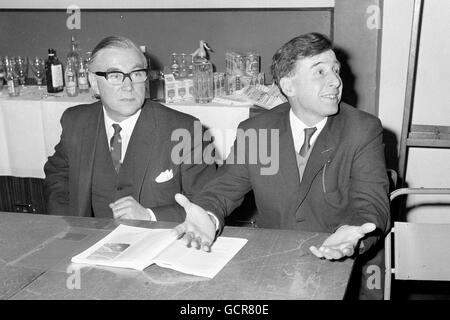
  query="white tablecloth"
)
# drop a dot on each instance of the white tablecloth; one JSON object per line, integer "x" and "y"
{"x": 221, "y": 120}
{"x": 30, "y": 128}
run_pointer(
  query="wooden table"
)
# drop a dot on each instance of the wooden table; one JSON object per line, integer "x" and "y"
{"x": 35, "y": 252}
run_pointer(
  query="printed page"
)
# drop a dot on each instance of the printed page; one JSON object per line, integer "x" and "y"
{"x": 198, "y": 262}
{"x": 127, "y": 247}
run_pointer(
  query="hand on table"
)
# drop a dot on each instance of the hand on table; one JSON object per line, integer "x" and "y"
{"x": 342, "y": 242}
{"x": 199, "y": 229}
{"x": 128, "y": 208}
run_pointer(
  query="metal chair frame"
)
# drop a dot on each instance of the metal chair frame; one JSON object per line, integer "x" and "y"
{"x": 388, "y": 239}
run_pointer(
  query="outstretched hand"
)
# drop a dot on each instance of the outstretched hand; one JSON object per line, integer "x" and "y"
{"x": 342, "y": 242}
{"x": 198, "y": 230}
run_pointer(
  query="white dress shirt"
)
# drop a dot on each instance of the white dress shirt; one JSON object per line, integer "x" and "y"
{"x": 127, "y": 126}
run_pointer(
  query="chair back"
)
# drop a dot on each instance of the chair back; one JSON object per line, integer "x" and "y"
{"x": 421, "y": 250}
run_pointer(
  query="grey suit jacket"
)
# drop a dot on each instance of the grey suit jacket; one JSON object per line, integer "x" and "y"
{"x": 69, "y": 170}
{"x": 344, "y": 182}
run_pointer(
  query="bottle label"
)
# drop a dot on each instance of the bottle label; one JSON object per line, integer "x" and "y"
{"x": 82, "y": 80}
{"x": 83, "y": 83}
{"x": 71, "y": 88}
{"x": 57, "y": 76}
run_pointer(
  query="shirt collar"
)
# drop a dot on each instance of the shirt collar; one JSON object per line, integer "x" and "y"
{"x": 127, "y": 125}
{"x": 298, "y": 126}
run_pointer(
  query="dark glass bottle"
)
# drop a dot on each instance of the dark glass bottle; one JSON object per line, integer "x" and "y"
{"x": 149, "y": 68}
{"x": 157, "y": 91}
{"x": 54, "y": 73}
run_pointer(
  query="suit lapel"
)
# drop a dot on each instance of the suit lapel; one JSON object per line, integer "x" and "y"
{"x": 288, "y": 161}
{"x": 321, "y": 154}
{"x": 141, "y": 148}
{"x": 88, "y": 143}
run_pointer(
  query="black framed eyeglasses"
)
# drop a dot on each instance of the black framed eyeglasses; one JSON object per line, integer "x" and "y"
{"x": 118, "y": 77}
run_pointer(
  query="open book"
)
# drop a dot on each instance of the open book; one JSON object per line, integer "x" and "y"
{"x": 137, "y": 248}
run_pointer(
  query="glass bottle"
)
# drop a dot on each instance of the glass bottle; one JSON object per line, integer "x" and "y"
{"x": 87, "y": 61}
{"x": 203, "y": 76}
{"x": 147, "y": 82}
{"x": 83, "y": 83}
{"x": 54, "y": 73}
{"x": 12, "y": 80}
{"x": 190, "y": 68}
{"x": 74, "y": 54}
{"x": 2, "y": 75}
{"x": 175, "y": 67}
{"x": 183, "y": 66}
{"x": 157, "y": 92}
{"x": 71, "y": 79}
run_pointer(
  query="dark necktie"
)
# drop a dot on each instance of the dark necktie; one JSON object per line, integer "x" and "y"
{"x": 116, "y": 147}
{"x": 306, "y": 143}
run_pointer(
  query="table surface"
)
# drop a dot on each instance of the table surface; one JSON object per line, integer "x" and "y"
{"x": 35, "y": 253}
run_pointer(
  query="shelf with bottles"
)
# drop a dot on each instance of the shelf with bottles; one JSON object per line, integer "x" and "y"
{"x": 190, "y": 77}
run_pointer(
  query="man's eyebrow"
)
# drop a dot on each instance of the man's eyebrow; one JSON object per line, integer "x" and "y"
{"x": 113, "y": 69}
{"x": 321, "y": 62}
{"x": 134, "y": 67}
{"x": 137, "y": 65}
{"x": 316, "y": 64}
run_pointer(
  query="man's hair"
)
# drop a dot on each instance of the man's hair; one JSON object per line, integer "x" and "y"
{"x": 114, "y": 42}
{"x": 307, "y": 45}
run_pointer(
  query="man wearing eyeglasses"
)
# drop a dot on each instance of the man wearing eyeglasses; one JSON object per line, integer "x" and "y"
{"x": 114, "y": 156}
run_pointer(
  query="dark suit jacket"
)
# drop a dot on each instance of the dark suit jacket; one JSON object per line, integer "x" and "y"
{"x": 69, "y": 170}
{"x": 344, "y": 182}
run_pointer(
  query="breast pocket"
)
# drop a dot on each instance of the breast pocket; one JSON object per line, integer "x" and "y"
{"x": 338, "y": 198}
{"x": 163, "y": 193}
{"x": 335, "y": 186}
{"x": 167, "y": 184}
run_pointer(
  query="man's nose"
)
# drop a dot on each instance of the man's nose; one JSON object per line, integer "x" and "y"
{"x": 334, "y": 80}
{"x": 126, "y": 84}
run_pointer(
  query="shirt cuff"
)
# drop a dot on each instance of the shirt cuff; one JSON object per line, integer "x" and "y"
{"x": 152, "y": 215}
{"x": 216, "y": 221}
{"x": 361, "y": 247}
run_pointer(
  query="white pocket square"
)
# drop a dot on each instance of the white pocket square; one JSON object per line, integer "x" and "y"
{"x": 164, "y": 176}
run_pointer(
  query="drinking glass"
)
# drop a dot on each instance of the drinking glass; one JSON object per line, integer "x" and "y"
{"x": 9, "y": 62}
{"x": 38, "y": 68}
{"x": 22, "y": 69}
{"x": 2, "y": 72}
{"x": 10, "y": 67}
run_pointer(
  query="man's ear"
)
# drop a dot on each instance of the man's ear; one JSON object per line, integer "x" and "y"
{"x": 93, "y": 82}
{"x": 287, "y": 87}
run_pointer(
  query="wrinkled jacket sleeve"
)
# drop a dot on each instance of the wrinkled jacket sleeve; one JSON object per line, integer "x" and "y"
{"x": 369, "y": 185}
{"x": 194, "y": 176}
{"x": 56, "y": 183}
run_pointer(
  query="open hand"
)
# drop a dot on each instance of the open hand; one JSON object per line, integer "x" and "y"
{"x": 342, "y": 242}
{"x": 198, "y": 230}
